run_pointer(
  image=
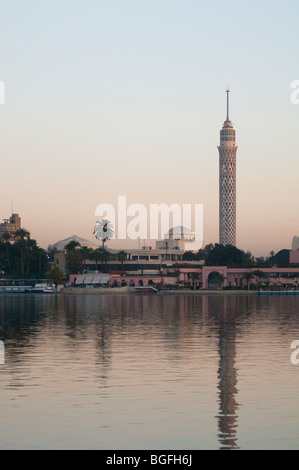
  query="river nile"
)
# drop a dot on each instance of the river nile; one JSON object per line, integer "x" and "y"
{"x": 149, "y": 372}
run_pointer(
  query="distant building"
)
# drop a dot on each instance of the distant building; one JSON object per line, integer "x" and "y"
{"x": 60, "y": 246}
{"x": 294, "y": 257}
{"x": 166, "y": 253}
{"x": 179, "y": 238}
{"x": 295, "y": 244}
{"x": 294, "y": 253}
{"x": 137, "y": 260}
{"x": 11, "y": 225}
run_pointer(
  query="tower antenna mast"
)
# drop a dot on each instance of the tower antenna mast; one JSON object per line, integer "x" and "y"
{"x": 227, "y": 116}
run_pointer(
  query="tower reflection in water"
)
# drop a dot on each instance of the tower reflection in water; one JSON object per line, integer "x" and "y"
{"x": 225, "y": 322}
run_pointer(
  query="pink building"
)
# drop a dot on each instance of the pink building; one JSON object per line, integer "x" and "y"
{"x": 207, "y": 277}
{"x": 294, "y": 257}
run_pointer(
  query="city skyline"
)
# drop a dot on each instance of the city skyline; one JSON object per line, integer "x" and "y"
{"x": 111, "y": 99}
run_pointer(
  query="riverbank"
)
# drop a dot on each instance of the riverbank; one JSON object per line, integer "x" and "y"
{"x": 132, "y": 290}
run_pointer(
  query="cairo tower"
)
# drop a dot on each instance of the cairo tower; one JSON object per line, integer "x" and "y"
{"x": 227, "y": 182}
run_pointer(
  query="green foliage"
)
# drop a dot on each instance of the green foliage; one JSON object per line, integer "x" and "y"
{"x": 20, "y": 256}
{"x": 56, "y": 275}
{"x": 74, "y": 260}
{"x": 72, "y": 246}
{"x": 219, "y": 255}
{"x": 280, "y": 259}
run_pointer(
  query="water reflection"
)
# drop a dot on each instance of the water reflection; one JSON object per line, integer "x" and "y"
{"x": 177, "y": 351}
{"x": 227, "y": 375}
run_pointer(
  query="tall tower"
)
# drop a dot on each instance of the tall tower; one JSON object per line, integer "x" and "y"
{"x": 227, "y": 182}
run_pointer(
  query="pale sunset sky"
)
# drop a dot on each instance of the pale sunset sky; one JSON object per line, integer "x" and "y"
{"x": 108, "y": 98}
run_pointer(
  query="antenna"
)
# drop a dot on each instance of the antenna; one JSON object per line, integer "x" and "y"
{"x": 228, "y": 92}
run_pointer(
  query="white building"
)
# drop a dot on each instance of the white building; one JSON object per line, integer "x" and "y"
{"x": 60, "y": 246}
{"x": 179, "y": 238}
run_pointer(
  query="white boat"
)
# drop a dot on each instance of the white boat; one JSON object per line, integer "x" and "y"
{"x": 44, "y": 288}
{"x": 15, "y": 289}
{"x": 279, "y": 292}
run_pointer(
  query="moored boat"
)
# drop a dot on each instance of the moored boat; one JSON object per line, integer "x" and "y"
{"x": 279, "y": 292}
{"x": 44, "y": 288}
{"x": 15, "y": 289}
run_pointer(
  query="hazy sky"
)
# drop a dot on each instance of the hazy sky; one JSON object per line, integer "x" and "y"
{"x": 127, "y": 97}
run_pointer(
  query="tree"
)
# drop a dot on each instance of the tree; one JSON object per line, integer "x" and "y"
{"x": 72, "y": 246}
{"x": 258, "y": 274}
{"x": 21, "y": 236}
{"x": 248, "y": 277}
{"x": 122, "y": 256}
{"x": 6, "y": 236}
{"x": 194, "y": 278}
{"x": 105, "y": 256}
{"x": 228, "y": 255}
{"x": 55, "y": 275}
{"x": 221, "y": 278}
{"x": 281, "y": 258}
{"x": 177, "y": 273}
{"x": 86, "y": 254}
{"x": 74, "y": 262}
{"x": 96, "y": 256}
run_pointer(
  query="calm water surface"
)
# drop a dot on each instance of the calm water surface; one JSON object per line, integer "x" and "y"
{"x": 148, "y": 372}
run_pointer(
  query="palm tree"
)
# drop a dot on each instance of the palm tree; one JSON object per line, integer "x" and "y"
{"x": 248, "y": 276}
{"x": 221, "y": 278}
{"x": 6, "y": 236}
{"x": 71, "y": 246}
{"x": 86, "y": 254}
{"x": 177, "y": 273}
{"x": 22, "y": 236}
{"x": 105, "y": 256}
{"x": 194, "y": 277}
{"x": 103, "y": 231}
{"x": 29, "y": 253}
{"x": 258, "y": 274}
{"x": 96, "y": 256}
{"x": 122, "y": 256}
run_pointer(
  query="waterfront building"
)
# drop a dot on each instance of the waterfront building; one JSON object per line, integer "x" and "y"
{"x": 294, "y": 257}
{"x": 227, "y": 182}
{"x": 139, "y": 260}
{"x": 197, "y": 277}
